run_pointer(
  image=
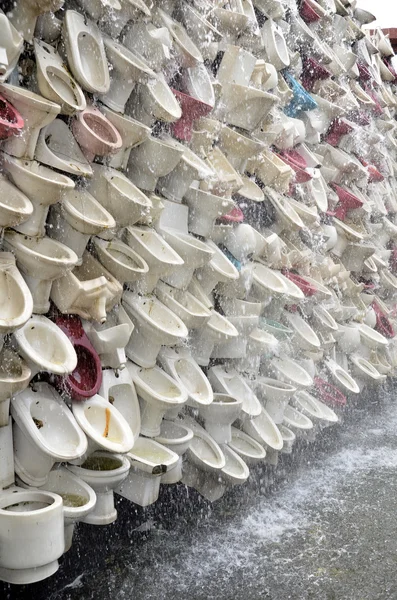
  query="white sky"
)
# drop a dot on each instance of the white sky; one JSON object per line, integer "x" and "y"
{"x": 384, "y": 10}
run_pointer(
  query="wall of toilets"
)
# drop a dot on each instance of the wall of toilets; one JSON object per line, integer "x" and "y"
{"x": 199, "y": 245}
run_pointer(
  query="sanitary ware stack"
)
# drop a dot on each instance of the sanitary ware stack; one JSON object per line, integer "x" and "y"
{"x": 198, "y": 205}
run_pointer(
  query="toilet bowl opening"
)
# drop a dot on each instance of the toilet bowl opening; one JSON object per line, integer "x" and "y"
{"x": 102, "y": 463}
{"x": 7, "y": 113}
{"x": 99, "y": 128}
{"x": 62, "y": 85}
{"x": 85, "y": 375}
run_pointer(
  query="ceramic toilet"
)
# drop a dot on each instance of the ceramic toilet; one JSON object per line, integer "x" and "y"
{"x": 121, "y": 260}
{"x": 15, "y": 207}
{"x": 275, "y": 396}
{"x": 371, "y": 338}
{"x": 156, "y": 252}
{"x": 11, "y": 122}
{"x": 186, "y": 53}
{"x": 24, "y": 15}
{"x": 14, "y": 378}
{"x": 218, "y": 269}
{"x": 246, "y": 447}
{"x": 264, "y": 430}
{"x": 298, "y": 423}
{"x": 37, "y": 112}
{"x": 204, "y": 456}
{"x": 148, "y": 461}
{"x": 243, "y": 106}
{"x": 235, "y": 472}
{"x": 217, "y": 330}
{"x": 153, "y": 43}
{"x": 118, "y": 389}
{"x": 11, "y": 47}
{"x": 54, "y": 80}
{"x": 341, "y": 377}
{"x": 154, "y": 101}
{"x": 291, "y": 372}
{"x": 57, "y": 148}
{"x": 176, "y": 437}
{"x": 44, "y": 347}
{"x": 184, "y": 304}
{"x": 45, "y": 432}
{"x": 17, "y": 302}
{"x": 78, "y": 497}
{"x": 304, "y": 337}
{"x": 181, "y": 366}
{"x": 219, "y": 416}
{"x": 154, "y": 158}
{"x": 88, "y": 291}
{"x": 228, "y": 381}
{"x": 77, "y": 218}
{"x": 158, "y": 392}
{"x": 43, "y": 187}
{"x": 110, "y": 338}
{"x": 316, "y": 410}
{"x": 85, "y": 52}
{"x": 126, "y": 69}
{"x": 103, "y": 472}
{"x": 364, "y": 370}
{"x": 95, "y": 135}
{"x": 205, "y": 208}
{"x": 155, "y": 326}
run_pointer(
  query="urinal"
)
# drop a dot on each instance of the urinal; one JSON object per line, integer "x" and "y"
{"x": 217, "y": 330}
{"x": 154, "y": 101}
{"x": 132, "y": 134}
{"x": 126, "y": 69}
{"x": 110, "y": 338}
{"x": 41, "y": 261}
{"x": 78, "y": 497}
{"x": 155, "y": 326}
{"x": 176, "y": 437}
{"x": 184, "y": 304}
{"x": 275, "y": 396}
{"x": 43, "y": 186}
{"x": 24, "y": 15}
{"x": 291, "y": 372}
{"x": 243, "y": 106}
{"x": 103, "y": 472}
{"x": 45, "y": 432}
{"x": 105, "y": 427}
{"x": 77, "y": 218}
{"x": 190, "y": 168}
{"x": 57, "y": 148}
{"x": 95, "y": 134}
{"x": 220, "y": 414}
{"x": 45, "y": 347}
{"x": 341, "y": 377}
{"x": 149, "y": 461}
{"x": 205, "y": 208}
{"x": 31, "y": 527}
{"x": 179, "y": 363}
{"x": 159, "y": 256}
{"x": 228, "y": 381}
{"x": 118, "y": 389}
{"x": 36, "y": 111}
{"x": 86, "y": 378}
{"x": 85, "y": 52}
{"x": 251, "y": 451}
{"x": 11, "y": 47}
{"x": 304, "y": 337}
{"x": 14, "y": 378}
{"x": 16, "y": 300}
{"x": 154, "y": 158}
{"x": 89, "y": 291}
{"x": 121, "y": 261}
{"x": 264, "y": 431}
{"x": 158, "y": 392}
{"x": 54, "y": 80}
{"x": 218, "y": 269}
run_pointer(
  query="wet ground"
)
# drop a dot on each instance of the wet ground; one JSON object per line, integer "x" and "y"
{"x": 327, "y": 529}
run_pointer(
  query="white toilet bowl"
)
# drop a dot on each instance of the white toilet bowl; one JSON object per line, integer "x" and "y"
{"x": 121, "y": 260}
{"x": 45, "y": 432}
{"x": 43, "y": 186}
{"x": 371, "y": 338}
{"x": 78, "y": 497}
{"x": 218, "y": 269}
{"x": 235, "y": 472}
{"x": 15, "y": 298}
{"x": 275, "y": 396}
{"x": 158, "y": 393}
{"x": 342, "y": 377}
{"x": 203, "y": 457}
{"x": 219, "y": 416}
{"x": 205, "y": 208}
{"x": 11, "y": 44}
{"x": 45, "y": 347}
{"x": 37, "y": 112}
{"x": 364, "y": 370}
{"x": 14, "y": 378}
{"x": 15, "y": 207}
{"x": 298, "y": 423}
{"x": 313, "y": 408}
{"x": 264, "y": 430}
{"x": 228, "y": 381}
{"x": 304, "y": 337}
{"x": 176, "y": 437}
{"x": 154, "y": 101}
{"x": 186, "y": 306}
{"x": 154, "y": 158}
{"x": 249, "y": 449}
{"x": 103, "y": 472}
{"x": 291, "y": 372}
{"x": 217, "y": 330}
{"x": 110, "y": 338}
{"x": 179, "y": 363}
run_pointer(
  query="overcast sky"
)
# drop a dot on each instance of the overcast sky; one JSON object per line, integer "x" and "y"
{"x": 384, "y": 10}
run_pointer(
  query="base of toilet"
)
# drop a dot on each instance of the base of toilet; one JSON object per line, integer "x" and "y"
{"x": 173, "y": 475}
{"x": 104, "y": 512}
{"x": 140, "y": 487}
{"x": 40, "y": 290}
{"x": 207, "y": 484}
{"x": 27, "y": 576}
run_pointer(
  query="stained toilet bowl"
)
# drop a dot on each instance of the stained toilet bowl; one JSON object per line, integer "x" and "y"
{"x": 157, "y": 253}
{"x": 121, "y": 260}
{"x": 219, "y": 416}
{"x": 77, "y": 218}
{"x": 103, "y": 472}
{"x": 251, "y": 451}
{"x": 15, "y": 207}
{"x": 85, "y": 52}
{"x": 45, "y": 432}
{"x": 37, "y": 112}
{"x": 118, "y": 389}
{"x": 179, "y": 363}
{"x": 54, "y": 80}
{"x": 95, "y": 135}
{"x": 42, "y": 185}
{"x": 182, "y": 302}
{"x": 158, "y": 392}
{"x": 149, "y": 461}
{"x": 275, "y": 396}
{"x": 264, "y": 430}
{"x": 228, "y": 381}
{"x": 176, "y": 437}
{"x": 15, "y": 297}
{"x": 78, "y": 497}
{"x": 45, "y": 347}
